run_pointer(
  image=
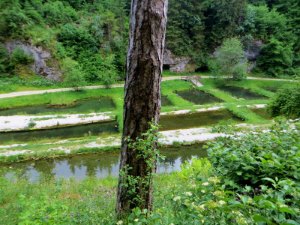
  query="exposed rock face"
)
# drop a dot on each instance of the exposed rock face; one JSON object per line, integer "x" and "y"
{"x": 178, "y": 64}
{"x": 252, "y": 52}
{"x": 40, "y": 57}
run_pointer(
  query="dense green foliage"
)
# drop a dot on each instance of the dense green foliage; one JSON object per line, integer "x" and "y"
{"x": 95, "y": 33}
{"x": 286, "y": 102}
{"x": 197, "y": 28}
{"x": 255, "y": 159}
{"x": 91, "y": 34}
{"x": 229, "y": 60}
{"x": 205, "y": 191}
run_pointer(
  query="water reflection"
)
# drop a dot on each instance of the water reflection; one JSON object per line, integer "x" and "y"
{"x": 100, "y": 104}
{"x": 95, "y": 165}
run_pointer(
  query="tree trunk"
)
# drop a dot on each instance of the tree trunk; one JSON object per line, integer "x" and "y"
{"x": 142, "y": 98}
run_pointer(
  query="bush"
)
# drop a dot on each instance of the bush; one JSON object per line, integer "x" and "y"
{"x": 76, "y": 39}
{"x": 4, "y": 60}
{"x": 286, "y": 102}
{"x": 73, "y": 74}
{"x": 276, "y": 58}
{"x": 229, "y": 60}
{"x": 57, "y": 13}
{"x": 250, "y": 159}
{"x": 18, "y": 56}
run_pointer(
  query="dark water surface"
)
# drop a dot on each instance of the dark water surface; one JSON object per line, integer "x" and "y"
{"x": 170, "y": 122}
{"x": 192, "y": 120}
{"x": 263, "y": 112}
{"x": 95, "y": 165}
{"x": 198, "y": 97}
{"x": 101, "y": 104}
{"x": 94, "y": 129}
{"x": 241, "y": 92}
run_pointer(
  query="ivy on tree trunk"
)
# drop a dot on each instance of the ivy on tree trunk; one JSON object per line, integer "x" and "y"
{"x": 142, "y": 102}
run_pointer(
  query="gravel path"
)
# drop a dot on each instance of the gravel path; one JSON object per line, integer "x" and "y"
{"x": 38, "y": 92}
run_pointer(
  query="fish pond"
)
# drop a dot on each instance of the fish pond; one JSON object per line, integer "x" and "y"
{"x": 168, "y": 122}
{"x": 99, "y": 165}
{"x": 101, "y": 104}
{"x": 197, "y": 97}
{"x": 93, "y": 129}
{"x": 192, "y": 120}
{"x": 239, "y": 92}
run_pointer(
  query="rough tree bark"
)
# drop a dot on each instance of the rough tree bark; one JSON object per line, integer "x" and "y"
{"x": 142, "y": 94}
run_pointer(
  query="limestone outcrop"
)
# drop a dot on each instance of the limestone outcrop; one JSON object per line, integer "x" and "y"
{"x": 40, "y": 56}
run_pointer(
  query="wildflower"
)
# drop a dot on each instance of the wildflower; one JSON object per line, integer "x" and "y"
{"x": 205, "y": 184}
{"x": 241, "y": 220}
{"x": 221, "y": 202}
{"x": 214, "y": 180}
{"x": 203, "y": 191}
{"x": 202, "y": 207}
{"x": 136, "y": 220}
{"x": 120, "y": 222}
{"x": 218, "y": 193}
{"x": 177, "y": 198}
{"x": 188, "y": 193}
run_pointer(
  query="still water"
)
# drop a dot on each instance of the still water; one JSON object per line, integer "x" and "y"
{"x": 101, "y": 104}
{"x": 197, "y": 97}
{"x": 100, "y": 165}
{"x": 241, "y": 92}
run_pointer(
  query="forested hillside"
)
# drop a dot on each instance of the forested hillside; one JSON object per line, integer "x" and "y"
{"x": 87, "y": 39}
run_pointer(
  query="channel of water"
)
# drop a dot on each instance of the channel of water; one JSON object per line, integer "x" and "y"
{"x": 241, "y": 92}
{"x": 102, "y": 104}
{"x": 169, "y": 122}
{"x": 99, "y": 165}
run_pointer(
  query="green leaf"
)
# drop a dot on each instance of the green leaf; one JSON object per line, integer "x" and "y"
{"x": 260, "y": 219}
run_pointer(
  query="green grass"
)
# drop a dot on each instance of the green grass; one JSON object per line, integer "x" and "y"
{"x": 40, "y": 149}
{"x": 90, "y": 201}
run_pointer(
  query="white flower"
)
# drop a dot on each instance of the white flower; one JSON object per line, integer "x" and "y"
{"x": 202, "y": 206}
{"x": 203, "y": 191}
{"x": 205, "y": 184}
{"x": 177, "y": 198}
{"x": 136, "y": 220}
{"x": 221, "y": 202}
{"x": 188, "y": 193}
{"x": 120, "y": 222}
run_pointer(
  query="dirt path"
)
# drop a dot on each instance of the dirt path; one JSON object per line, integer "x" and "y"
{"x": 39, "y": 92}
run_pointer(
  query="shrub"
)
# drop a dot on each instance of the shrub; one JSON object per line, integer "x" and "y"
{"x": 4, "y": 60}
{"x": 250, "y": 159}
{"x": 73, "y": 74}
{"x": 286, "y": 102}
{"x": 18, "y": 56}
{"x": 76, "y": 39}
{"x": 230, "y": 60}
{"x": 57, "y": 13}
{"x": 276, "y": 58}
